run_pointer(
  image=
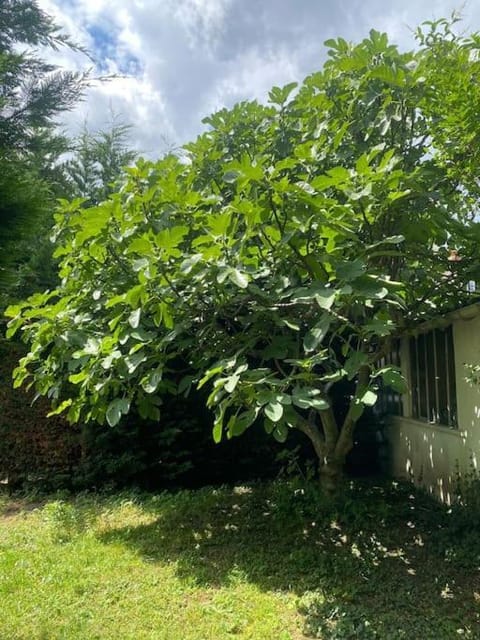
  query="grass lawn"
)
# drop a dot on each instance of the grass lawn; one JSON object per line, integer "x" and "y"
{"x": 268, "y": 561}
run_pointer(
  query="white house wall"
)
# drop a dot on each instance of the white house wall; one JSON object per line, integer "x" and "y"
{"x": 433, "y": 456}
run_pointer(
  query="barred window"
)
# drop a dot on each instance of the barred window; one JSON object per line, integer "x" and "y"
{"x": 390, "y": 401}
{"x": 432, "y": 374}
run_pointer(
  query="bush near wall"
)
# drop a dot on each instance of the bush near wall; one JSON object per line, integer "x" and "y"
{"x": 33, "y": 448}
{"x": 49, "y": 453}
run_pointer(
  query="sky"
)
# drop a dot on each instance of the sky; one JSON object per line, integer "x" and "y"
{"x": 180, "y": 60}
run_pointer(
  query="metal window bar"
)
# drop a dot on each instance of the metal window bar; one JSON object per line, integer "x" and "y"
{"x": 390, "y": 401}
{"x": 426, "y": 388}
{"x": 425, "y": 380}
{"x": 436, "y": 416}
{"x": 447, "y": 367}
{"x": 418, "y": 377}
{"x": 452, "y": 385}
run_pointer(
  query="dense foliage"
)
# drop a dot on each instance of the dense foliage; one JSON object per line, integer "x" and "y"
{"x": 33, "y": 90}
{"x": 33, "y": 93}
{"x": 43, "y": 453}
{"x": 282, "y": 258}
{"x": 98, "y": 161}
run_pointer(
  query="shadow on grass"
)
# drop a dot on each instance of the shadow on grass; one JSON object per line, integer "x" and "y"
{"x": 12, "y": 507}
{"x": 378, "y": 563}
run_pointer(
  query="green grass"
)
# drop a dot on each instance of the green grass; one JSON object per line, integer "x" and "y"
{"x": 272, "y": 561}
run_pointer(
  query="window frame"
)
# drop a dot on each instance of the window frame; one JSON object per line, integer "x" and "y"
{"x": 428, "y": 351}
{"x": 390, "y": 401}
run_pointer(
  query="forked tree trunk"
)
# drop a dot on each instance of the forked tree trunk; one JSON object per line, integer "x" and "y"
{"x": 332, "y": 442}
{"x": 325, "y": 440}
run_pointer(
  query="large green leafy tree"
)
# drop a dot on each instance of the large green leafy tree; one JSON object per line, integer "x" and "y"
{"x": 32, "y": 93}
{"x": 298, "y": 241}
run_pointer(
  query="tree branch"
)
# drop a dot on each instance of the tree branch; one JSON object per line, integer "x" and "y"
{"x": 311, "y": 430}
{"x": 345, "y": 441}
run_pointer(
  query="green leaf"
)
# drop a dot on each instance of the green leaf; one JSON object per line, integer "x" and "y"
{"x": 185, "y": 384}
{"x": 269, "y": 426}
{"x": 350, "y": 270}
{"x": 315, "y": 336}
{"x": 240, "y": 423}
{"x": 388, "y": 240}
{"x": 188, "y": 264}
{"x": 115, "y": 410}
{"x": 223, "y": 274}
{"x": 231, "y": 176}
{"x": 279, "y": 95}
{"x": 140, "y": 264}
{"x": 151, "y": 382}
{"x": 354, "y": 362}
{"x": 309, "y": 399}
{"x": 218, "y": 367}
{"x": 290, "y": 416}
{"x": 331, "y": 43}
{"x": 334, "y": 377}
{"x": 77, "y": 378}
{"x": 141, "y": 245}
{"x": 134, "y": 294}
{"x": 167, "y": 316}
{"x": 280, "y": 432}
{"x": 111, "y": 358}
{"x": 341, "y": 174}
{"x": 134, "y": 318}
{"x": 61, "y": 407}
{"x": 380, "y": 327}
{"x": 392, "y": 377}
{"x": 273, "y": 411}
{"x": 325, "y": 298}
{"x": 134, "y": 360}
{"x": 283, "y": 398}
{"x": 231, "y": 383}
{"x": 218, "y": 423}
{"x": 280, "y": 347}
{"x": 238, "y": 278}
{"x": 369, "y": 398}
{"x": 169, "y": 239}
{"x": 219, "y": 224}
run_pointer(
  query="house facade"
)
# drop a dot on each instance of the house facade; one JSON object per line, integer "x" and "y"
{"x": 435, "y": 435}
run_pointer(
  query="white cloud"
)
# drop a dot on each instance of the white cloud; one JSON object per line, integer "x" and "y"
{"x": 251, "y": 75}
{"x": 202, "y": 20}
{"x": 185, "y": 58}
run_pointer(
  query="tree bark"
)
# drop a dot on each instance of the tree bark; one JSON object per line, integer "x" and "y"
{"x": 331, "y": 473}
{"x": 329, "y": 463}
{"x": 331, "y": 443}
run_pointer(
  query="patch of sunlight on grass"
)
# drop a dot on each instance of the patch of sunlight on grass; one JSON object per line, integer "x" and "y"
{"x": 268, "y": 562}
{"x": 60, "y": 578}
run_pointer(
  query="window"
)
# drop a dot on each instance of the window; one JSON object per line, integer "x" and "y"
{"x": 390, "y": 401}
{"x": 432, "y": 373}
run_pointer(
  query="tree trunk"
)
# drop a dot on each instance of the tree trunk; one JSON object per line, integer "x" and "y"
{"x": 330, "y": 462}
{"x": 331, "y": 473}
{"x": 333, "y": 442}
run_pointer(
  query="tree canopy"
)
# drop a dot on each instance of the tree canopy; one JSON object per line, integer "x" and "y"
{"x": 33, "y": 93}
{"x": 33, "y": 90}
{"x": 98, "y": 161}
{"x": 295, "y": 243}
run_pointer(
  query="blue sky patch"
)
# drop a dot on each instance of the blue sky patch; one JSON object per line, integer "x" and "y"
{"x": 106, "y": 46}
{"x": 187, "y": 58}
